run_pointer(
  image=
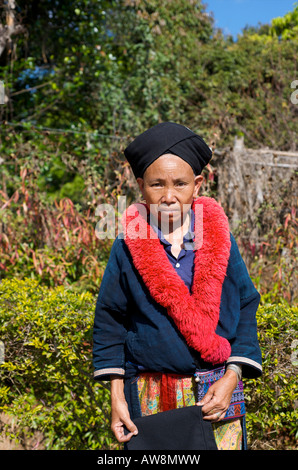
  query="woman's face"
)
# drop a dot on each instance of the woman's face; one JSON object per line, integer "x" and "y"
{"x": 169, "y": 187}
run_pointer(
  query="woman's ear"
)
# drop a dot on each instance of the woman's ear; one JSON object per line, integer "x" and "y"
{"x": 140, "y": 182}
{"x": 198, "y": 183}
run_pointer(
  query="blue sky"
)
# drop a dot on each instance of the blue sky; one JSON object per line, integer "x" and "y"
{"x": 233, "y": 15}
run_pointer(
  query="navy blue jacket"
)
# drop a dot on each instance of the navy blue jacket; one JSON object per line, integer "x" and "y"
{"x": 132, "y": 331}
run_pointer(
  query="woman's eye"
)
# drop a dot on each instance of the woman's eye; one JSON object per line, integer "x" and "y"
{"x": 180, "y": 184}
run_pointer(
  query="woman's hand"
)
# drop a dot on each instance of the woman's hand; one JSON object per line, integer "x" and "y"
{"x": 218, "y": 397}
{"x": 120, "y": 413}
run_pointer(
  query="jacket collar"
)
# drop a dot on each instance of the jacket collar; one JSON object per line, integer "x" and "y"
{"x": 195, "y": 314}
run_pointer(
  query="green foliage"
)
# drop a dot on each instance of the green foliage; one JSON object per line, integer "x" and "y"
{"x": 47, "y": 377}
{"x": 286, "y": 27}
{"x": 121, "y": 66}
{"x": 272, "y": 400}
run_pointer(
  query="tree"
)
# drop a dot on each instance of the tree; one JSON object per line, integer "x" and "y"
{"x": 286, "y": 27}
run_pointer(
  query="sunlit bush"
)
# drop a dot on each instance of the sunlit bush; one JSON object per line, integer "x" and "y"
{"x": 46, "y": 379}
{"x": 272, "y": 400}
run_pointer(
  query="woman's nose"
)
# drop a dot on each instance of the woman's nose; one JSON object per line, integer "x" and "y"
{"x": 169, "y": 196}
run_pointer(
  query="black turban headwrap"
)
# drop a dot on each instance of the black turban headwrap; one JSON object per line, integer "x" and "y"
{"x": 167, "y": 137}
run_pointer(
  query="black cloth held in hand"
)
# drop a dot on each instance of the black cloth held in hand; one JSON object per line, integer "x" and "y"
{"x": 167, "y": 137}
{"x": 178, "y": 429}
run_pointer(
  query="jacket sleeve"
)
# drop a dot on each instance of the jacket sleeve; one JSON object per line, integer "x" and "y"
{"x": 245, "y": 347}
{"x": 109, "y": 330}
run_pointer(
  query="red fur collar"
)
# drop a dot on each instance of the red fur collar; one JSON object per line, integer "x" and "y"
{"x": 196, "y": 315}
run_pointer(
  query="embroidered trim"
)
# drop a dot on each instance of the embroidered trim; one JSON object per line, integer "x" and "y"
{"x": 245, "y": 360}
{"x": 195, "y": 314}
{"x": 116, "y": 371}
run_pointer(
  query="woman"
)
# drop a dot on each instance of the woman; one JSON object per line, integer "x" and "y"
{"x": 175, "y": 321}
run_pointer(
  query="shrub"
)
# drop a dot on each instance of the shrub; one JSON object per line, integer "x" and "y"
{"x": 272, "y": 408}
{"x": 47, "y": 376}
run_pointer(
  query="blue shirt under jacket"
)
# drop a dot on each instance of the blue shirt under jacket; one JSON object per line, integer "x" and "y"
{"x": 132, "y": 331}
{"x": 184, "y": 263}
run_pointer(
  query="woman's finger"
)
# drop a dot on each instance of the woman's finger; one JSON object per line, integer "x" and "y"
{"x": 214, "y": 415}
{"x": 118, "y": 430}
